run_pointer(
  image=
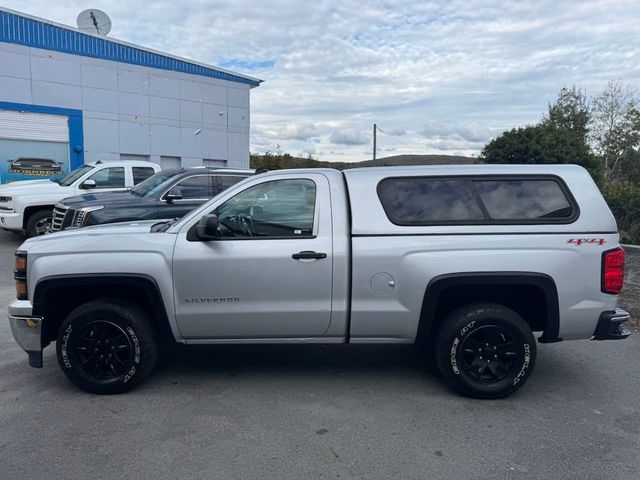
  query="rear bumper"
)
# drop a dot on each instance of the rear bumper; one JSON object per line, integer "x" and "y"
{"x": 27, "y": 332}
{"x": 611, "y": 326}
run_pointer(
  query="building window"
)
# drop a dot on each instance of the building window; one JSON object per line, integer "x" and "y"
{"x": 214, "y": 163}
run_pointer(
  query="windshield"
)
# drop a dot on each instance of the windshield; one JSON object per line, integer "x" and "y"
{"x": 153, "y": 184}
{"x": 71, "y": 177}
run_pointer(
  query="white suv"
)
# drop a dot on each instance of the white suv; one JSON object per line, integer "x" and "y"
{"x": 27, "y": 206}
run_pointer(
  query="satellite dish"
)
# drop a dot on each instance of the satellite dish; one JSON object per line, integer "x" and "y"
{"x": 94, "y": 21}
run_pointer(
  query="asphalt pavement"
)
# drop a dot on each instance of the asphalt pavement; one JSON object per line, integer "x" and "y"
{"x": 319, "y": 412}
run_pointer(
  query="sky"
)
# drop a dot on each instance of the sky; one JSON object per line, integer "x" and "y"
{"x": 436, "y": 77}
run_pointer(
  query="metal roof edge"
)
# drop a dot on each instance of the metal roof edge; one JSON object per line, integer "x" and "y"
{"x": 234, "y": 76}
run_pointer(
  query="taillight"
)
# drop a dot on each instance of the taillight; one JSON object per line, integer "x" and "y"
{"x": 613, "y": 271}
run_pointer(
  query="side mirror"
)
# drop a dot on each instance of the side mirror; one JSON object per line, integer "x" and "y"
{"x": 88, "y": 184}
{"x": 207, "y": 227}
{"x": 173, "y": 195}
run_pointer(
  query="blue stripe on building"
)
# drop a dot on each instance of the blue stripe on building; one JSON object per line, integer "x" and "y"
{"x": 32, "y": 33}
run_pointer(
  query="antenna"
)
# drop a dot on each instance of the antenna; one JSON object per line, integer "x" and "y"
{"x": 94, "y": 21}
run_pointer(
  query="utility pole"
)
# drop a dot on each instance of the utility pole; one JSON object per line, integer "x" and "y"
{"x": 375, "y": 129}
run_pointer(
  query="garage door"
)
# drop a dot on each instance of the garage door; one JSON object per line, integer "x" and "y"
{"x": 33, "y": 126}
{"x": 33, "y": 145}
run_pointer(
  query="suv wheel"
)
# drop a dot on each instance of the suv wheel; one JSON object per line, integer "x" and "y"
{"x": 107, "y": 346}
{"x": 485, "y": 350}
{"x": 39, "y": 223}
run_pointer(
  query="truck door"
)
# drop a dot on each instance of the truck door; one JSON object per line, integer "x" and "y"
{"x": 269, "y": 273}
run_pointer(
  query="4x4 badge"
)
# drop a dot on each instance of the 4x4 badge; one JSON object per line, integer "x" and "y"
{"x": 587, "y": 241}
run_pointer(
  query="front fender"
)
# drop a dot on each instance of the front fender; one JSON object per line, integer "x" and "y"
{"x": 130, "y": 282}
{"x": 102, "y": 255}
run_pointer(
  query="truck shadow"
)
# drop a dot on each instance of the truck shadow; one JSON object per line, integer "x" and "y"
{"x": 296, "y": 362}
{"x": 405, "y": 366}
{"x": 200, "y": 359}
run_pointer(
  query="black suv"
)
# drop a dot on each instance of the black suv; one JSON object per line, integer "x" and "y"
{"x": 167, "y": 194}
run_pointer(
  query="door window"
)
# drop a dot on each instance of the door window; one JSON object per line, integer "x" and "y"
{"x": 112, "y": 177}
{"x": 281, "y": 208}
{"x": 195, "y": 188}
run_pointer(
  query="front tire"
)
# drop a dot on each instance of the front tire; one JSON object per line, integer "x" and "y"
{"x": 107, "y": 346}
{"x": 39, "y": 223}
{"x": 485, "y": 350}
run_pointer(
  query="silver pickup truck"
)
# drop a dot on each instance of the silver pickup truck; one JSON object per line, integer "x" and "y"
{"x": 468, "y": 261}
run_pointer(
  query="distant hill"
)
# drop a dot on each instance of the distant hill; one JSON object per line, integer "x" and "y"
{"x": 273, "y": 162}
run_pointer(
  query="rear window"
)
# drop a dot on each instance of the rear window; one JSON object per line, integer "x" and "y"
{"x": 226, "y": 181}
{"x": 420, "y": 201}
{"x": 140, "y": 174}
{"x": 476, "y": 200}
{"x": 523, "y": 199}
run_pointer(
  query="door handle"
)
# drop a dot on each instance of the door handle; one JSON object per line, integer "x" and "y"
{"x": 307, "y": 254}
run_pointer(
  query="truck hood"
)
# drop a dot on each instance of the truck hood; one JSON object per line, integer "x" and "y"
{"x": 99, "y": 249}
{"x": 32, "y": 187}
{"x": 95, "y": 232}
{"x": 105, "y": 198}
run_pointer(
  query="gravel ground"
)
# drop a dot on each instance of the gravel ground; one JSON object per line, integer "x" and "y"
{"x": 630, "y": 295}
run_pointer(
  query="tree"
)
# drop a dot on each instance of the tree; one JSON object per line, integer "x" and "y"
{"x": 615, "y": 126}
{"x": 541, "y": 143}
{"x": 268, "y": 161}
{"x": 570, "y": 112}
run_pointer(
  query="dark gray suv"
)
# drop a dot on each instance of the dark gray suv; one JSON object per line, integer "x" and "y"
{"x": 167, "y": 194}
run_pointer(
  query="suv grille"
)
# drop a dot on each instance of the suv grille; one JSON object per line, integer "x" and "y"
{"x": 57, "y": 222}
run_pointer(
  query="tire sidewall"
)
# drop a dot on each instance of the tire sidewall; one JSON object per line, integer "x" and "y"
{"x": 450, "y": 356}
{"x": 73, "y": 325}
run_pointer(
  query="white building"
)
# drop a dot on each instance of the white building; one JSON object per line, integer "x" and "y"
{"x": 78, "y": 97}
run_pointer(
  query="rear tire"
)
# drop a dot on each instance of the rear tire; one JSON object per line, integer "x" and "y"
{"x": 39, "y": 223}
{"x": 107, "y": 346}
{"x": 485, "y": 350}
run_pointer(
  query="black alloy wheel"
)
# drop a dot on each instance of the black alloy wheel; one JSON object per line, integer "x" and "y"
{"x": 103, "y": 350}
{"x": 489, "y": 354}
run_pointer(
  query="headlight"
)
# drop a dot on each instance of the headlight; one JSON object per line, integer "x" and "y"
{"x": 20, "y": 274}
{"x": 6, "y": 199}
{"x": 81, "y": 216}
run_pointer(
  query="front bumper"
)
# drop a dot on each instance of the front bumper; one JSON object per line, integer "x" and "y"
{"x": 611, "y": 326}
{"x": 27, "y": 331}
{"x": 11, "y": 221}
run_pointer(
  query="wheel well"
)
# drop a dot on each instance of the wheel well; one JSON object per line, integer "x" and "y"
{"x": 55, "y": 298}
{"x": 28, "y": 211}
{"x": 533, "y": 296}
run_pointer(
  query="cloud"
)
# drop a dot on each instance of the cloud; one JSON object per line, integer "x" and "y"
{"x": 349, "y": 136}
{"x": 473, "y": 68}
{"x": 471, "y": 132}
{"x": 299, "y": 131}
{"x": 290, "y": 131}
{"x": 248, "y": 65}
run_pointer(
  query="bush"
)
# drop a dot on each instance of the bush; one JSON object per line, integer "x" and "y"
{"x": 624, "y": 202}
